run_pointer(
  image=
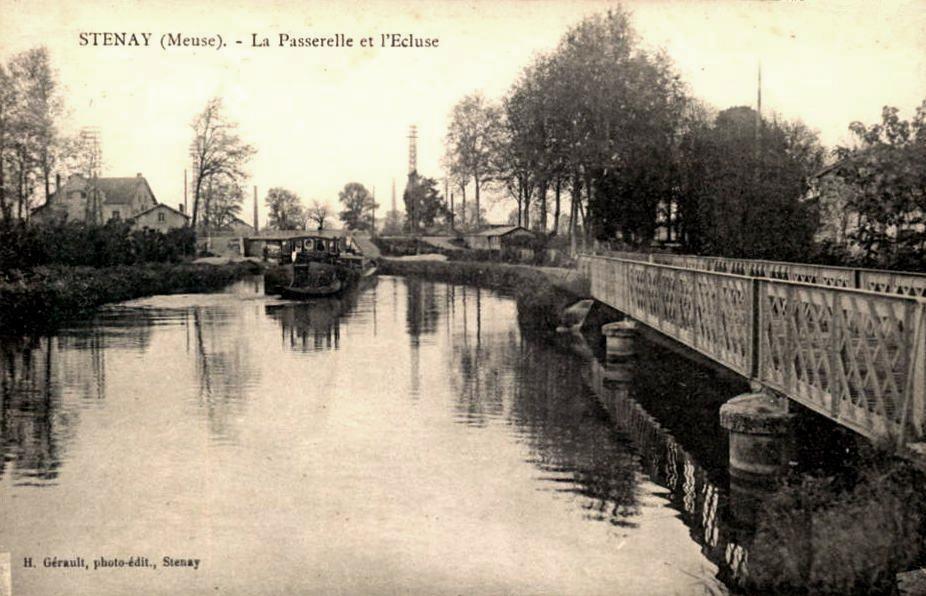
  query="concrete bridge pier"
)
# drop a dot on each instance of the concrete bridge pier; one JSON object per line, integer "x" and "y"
{"x": 620, "y": 338}
{"x": 761, "y": 448}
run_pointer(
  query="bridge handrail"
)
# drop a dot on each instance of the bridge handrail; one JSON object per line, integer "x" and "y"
{"x": 855, "y": 355}
{"x": 878, "y": 280}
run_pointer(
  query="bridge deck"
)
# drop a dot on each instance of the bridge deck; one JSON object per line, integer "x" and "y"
{"x": 854, "y": 355}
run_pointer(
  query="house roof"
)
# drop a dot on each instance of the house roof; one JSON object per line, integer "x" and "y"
{"x": 501, "y": 231}
{"x": 161, "y": 206}
{"x": 117, "y": 191}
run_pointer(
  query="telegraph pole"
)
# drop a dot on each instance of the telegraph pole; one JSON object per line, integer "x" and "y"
{"x": 256, "y": 227}
{"x": 373, "y": 215}
{"x": 758, "y": 119}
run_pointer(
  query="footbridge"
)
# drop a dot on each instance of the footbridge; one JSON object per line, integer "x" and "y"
{"x": 847, "y": 343}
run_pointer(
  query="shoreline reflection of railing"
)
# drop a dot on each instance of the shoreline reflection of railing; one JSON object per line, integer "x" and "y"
{"x": 699, "y": 501}
{"x": 855, "y": 356}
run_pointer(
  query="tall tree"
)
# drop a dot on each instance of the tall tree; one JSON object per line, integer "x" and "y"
{"x": 474, "y": 126}
{"x": 428, "y": 204}
{"x": 884, "y": 169}
{"x": 358, "y": 206}
{"x": 222, "y": 203}
{"x": 216, "y": 151}
{"x": 750, "y": 203}
{"x": 318, "y": 213}
{"x": 286, "y": 211}
{"x": 32, "y": 106}
{"x": 8, "y": 100}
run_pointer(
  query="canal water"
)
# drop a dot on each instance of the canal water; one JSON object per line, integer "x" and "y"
{"x": 412, "y": 437}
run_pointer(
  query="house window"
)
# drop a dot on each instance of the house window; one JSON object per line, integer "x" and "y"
{"x": 116, "y": 214}
{"x": 161, "y": 217}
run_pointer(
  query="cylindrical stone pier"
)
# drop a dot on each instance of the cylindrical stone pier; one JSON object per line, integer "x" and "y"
{"x": 760, "y": 450}
{"x": 619, "y": 339}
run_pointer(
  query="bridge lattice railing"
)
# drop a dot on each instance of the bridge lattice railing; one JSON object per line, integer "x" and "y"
{"x": 856, "y": 356}
{"x": 875, "y": 280}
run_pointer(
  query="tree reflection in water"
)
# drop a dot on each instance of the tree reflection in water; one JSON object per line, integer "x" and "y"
{"x": 35, "y": 426}
{"x": 225, "y": 368}
{"x": 585, "y": 430}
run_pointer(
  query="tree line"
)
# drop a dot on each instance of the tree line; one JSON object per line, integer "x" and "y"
{"x": 601, "y": 139}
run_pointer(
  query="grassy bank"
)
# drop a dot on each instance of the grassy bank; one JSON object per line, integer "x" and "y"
{"x": 45, "y": 296}
{"x": 542, "y": 293}
{"x": 837, "y": 535}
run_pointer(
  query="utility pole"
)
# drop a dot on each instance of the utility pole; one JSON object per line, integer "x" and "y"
{"x": 373, "y": 215}
{"x": 758, "y": 119}
{"x": 256, "y": 227}
{"x": 185, "y": 208}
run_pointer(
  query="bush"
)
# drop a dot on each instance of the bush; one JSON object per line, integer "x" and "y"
{"x": 46, "y": 296}
{"x": 826, "y": 536}
{"x": 25, "y": 245}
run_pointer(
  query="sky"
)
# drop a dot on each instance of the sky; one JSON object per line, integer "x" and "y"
{"x": 322, "y": 117}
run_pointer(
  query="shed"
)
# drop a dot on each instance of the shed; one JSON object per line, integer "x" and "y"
{"x": 496, "y": 238}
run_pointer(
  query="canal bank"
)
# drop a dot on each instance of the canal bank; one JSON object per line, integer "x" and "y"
{"x": 542, "y": 293}
{"x": 44, "y": 297}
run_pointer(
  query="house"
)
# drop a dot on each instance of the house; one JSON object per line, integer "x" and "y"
{"x": 97, "y": 200}
{"x": 161, "y": 218}
{"x": 496, "y": 238}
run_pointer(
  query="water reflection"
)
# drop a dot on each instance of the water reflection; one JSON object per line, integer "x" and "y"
{"x": 700, "y": 500}
{"x": 33, "y": 427}
{"x": 226, "y": 370}
{"x": 445, "y": 405}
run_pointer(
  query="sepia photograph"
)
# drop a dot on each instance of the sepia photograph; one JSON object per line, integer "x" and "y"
{"x": 462, "y": 297}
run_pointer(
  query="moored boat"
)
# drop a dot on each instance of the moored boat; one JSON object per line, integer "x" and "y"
{"x": 317, "y": 265}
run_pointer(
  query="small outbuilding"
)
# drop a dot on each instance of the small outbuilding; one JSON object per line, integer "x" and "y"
{"x": 498, "y": 237}
{"x": 161, "y": 218}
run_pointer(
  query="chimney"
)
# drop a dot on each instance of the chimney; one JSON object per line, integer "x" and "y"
{"x": 138, "y": 175}
{"x": 182, "y": 208}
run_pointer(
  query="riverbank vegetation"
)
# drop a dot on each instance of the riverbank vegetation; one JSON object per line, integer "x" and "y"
{"x": 51, "y": 272}
{"x": 842, "y": 535}
{"x": 24, "y": 245}
{"x": 45, "y": 296}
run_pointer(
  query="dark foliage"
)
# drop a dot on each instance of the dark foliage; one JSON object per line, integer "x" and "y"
{"x": 46, "y": 296}
{"x": 841, "y": 536}
{"x": 27, "y": 245}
